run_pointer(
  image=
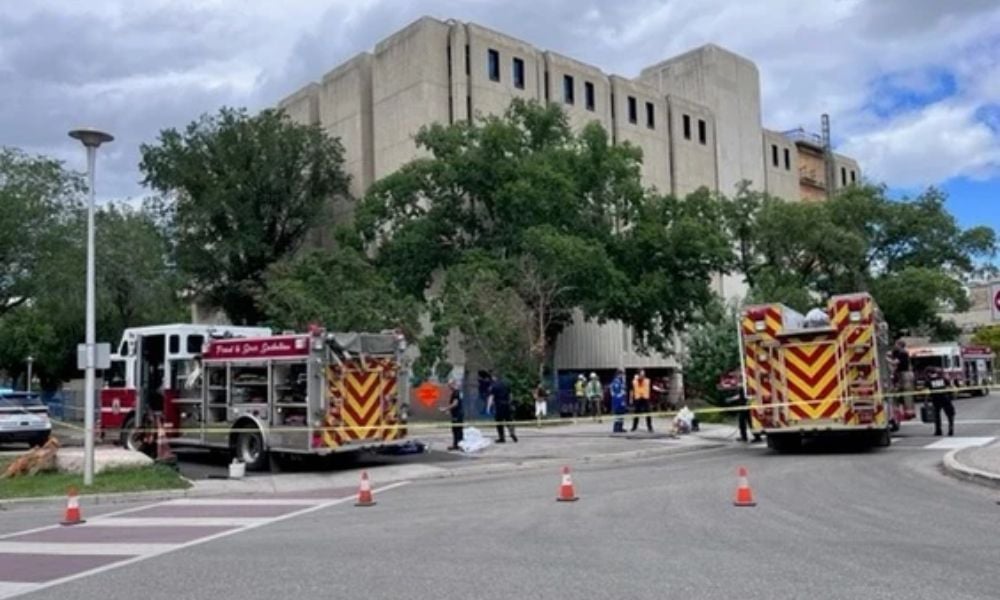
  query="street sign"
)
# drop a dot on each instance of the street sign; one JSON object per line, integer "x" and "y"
{"x": 995, "y": 301}
{"x": 428, "y": 394}
{"x": 102, "y": 356}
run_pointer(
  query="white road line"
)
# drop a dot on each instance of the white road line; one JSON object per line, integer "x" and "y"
{"x": 952, "y": 443}
{"x": 176, "y": 522}
{"x": 83, "y": 507}
{"x": 243, "y": 502}
{"x": 9, "y": 589}
{"x": 67, "y": 548}
{"x": 14, "y": 591}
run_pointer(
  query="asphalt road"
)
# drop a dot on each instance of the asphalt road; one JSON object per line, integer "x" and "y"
{"x": 880, "y": 524}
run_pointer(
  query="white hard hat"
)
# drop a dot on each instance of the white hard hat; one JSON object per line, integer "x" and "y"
{"x": 593, "y": 375}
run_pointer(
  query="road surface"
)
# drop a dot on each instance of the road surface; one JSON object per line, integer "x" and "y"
{"x": 881, "y": 524}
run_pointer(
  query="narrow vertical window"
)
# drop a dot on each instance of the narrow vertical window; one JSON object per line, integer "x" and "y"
{"x": 568, "y": 97}
{"x": 588, "y": 95}
{"x": 687, "y": 127}
{"x": 633, "y": 111}
{"x": 843, "y": 176}
{"x": 774, "y": 154}
{"x": 546, "y": 86}
{"x": 854, "y": 178}
{"x": 650, "y": 115}
{"x": 518, "y": 68}
{"x": 788, "y": 160}
{"x": 702, "y": 131}
{"x": 468, "y": 62}
{"x": 493, "y": 64}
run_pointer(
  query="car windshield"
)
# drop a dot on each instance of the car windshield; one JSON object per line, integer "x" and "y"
{"x": 20, "y": 400}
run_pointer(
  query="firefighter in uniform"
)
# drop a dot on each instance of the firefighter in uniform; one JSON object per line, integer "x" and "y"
{"x": 500, "y": 401}
{"x": 454, "y": 408}
{"x": 640, "y": 400}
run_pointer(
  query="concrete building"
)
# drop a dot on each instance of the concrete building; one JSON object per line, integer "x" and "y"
{"x": 696, "y": 117}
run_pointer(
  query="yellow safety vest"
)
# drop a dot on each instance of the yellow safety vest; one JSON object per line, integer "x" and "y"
{"x": 640, "y": 388}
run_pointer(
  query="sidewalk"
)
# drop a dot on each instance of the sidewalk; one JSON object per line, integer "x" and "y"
{"x": 979, "y": 464}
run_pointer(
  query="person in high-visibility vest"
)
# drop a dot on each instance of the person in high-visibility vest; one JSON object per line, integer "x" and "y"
{"x": 640, "y": 400}
{"x": 580, "y": 395}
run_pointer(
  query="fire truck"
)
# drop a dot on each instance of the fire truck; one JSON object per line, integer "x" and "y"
{"x": 820, "y": 374}
{"x": 969, "y": 368}
{"x": 257, "y": 395}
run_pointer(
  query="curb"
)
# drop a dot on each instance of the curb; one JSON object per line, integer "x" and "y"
{"x": 487, "y": 468}
{"x": 954, "y": 467}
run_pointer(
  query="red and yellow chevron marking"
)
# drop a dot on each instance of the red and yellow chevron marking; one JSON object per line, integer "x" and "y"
{"x": 812, "y": 381}
{"x": 362, "y": 402}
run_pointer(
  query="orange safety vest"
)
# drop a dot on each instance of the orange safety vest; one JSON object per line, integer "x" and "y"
{"x": 640, "y": 388}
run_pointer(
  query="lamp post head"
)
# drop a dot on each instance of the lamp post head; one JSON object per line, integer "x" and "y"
{"x": 91, "y": 138}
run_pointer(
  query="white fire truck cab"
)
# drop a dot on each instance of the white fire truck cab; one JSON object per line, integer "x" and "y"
{"x": 969, "y": 368}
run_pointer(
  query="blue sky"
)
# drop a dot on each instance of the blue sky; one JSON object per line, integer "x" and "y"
{"x": 912, "y": 86}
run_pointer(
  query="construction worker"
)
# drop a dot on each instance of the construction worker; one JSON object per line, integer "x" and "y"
{"x": 500, "y": 402}
{"x": 640, "y": 400}
{"x": 942, "y": 393}
{"x": 619, "y": 401}
{"x": 580, "y": 395}
{"x": 457, "y": 414}
{"x": 595, "y": 396}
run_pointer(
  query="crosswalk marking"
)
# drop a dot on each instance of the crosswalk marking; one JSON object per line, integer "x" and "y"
{"x": 952, "y": 443}
{"x": 95, "y": 549}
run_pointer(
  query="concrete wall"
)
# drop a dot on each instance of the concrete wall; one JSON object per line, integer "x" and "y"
{"x": 729, "y": 85}
{"x": 345, "y": 112}
{"x": 693, "y": 163}
{"x": 846, "y": 171}
{"x": 781, "y": 166}
{"x": 558, "y": 66}
{"x": 410, "y": 88}
{"x": 652, "y": 138}
{"x": 303, "y": 105}
{"x": 493, "y": 97}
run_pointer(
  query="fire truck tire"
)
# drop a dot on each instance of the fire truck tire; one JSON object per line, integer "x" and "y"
{"x": 248, "y": 447}
{"x": 130, "y": 436}
{"x": 882, "y": 438}
{"x": 784, "y": 442}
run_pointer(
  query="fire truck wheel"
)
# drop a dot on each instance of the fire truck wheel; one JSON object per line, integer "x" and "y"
{"x": 784, "y": 442}
{"x": 882, "y": 438}
{"x": 248, "y": 447}
{"x": 131, "y": 436}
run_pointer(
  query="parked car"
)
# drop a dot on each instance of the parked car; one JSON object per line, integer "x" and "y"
{"x": 23, "y": 418}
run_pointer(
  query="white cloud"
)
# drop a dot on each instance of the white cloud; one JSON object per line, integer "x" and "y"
{"x": 136, "y": 68}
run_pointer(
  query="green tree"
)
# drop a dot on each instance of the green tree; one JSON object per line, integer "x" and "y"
{"x": 561, "y": 219}
{"x": 910, "y": 254}
{"x": 340, "y": 289}
{"x": 244, "y": 191}
{"x": 988, "y": 336}
{"x": 36, "y": 195}
{"x": 711, "y": 351}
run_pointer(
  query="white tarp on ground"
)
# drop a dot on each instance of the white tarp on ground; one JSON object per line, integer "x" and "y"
{"x": 70, "y": 460}
{"x": 473, "y": 440}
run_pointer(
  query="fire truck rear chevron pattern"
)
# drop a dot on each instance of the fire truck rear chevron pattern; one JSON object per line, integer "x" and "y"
{"x": 826, "y": 376}
{"x": 362, "y": 402}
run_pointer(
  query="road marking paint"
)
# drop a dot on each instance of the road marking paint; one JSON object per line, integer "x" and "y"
{"x": 82, "y": 548}
{"x": 8, "y": 590}
{"x": 107, "y": 515}
{"x": 175, "y": 522}
{"x": 959, "y": 442}
{"x": 241, "y": 501}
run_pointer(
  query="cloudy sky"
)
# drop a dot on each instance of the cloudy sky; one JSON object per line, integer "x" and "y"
{"x": 912, "y": 86}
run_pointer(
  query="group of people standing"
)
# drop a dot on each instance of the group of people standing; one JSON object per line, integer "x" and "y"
{"x": 941, "y": 391}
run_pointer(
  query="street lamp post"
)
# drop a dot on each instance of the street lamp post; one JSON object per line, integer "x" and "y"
{"x": 91, "y": 139}
{"x": 27, "y": 386}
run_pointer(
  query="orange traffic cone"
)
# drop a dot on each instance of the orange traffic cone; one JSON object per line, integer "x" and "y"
{"x": 744, "y": 497}
{"x": 72, "y": 515}
{"x": 365, "y": 497}
{"x": 163, "y": 452}
{"x": 566, "y": 491}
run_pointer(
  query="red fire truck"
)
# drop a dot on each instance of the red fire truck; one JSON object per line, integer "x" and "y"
{"x": 312, "y": 393}
{"x": 969, "y": 368}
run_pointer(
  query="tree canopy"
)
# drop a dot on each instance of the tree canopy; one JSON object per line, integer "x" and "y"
{"x": 244, "y": 191}
{"x": 538, "y": 220}
{"x": 911, "y": 254}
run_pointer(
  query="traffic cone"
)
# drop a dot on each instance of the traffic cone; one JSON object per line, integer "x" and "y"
{"x": 566, "y": 491}
{"x": 365, "y": 497}
{"x": 72, "y": 515}
{"x": 163, "y": 452}
{"x": 744, "y": 497}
